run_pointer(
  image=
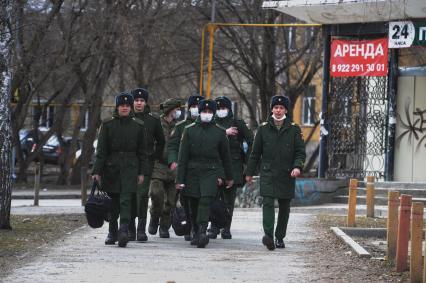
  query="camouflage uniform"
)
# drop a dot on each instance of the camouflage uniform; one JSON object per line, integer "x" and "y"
{"x": 162, "y": 188}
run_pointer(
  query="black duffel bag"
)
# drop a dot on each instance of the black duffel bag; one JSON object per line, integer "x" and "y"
{"x": 98, "y": 206}
{"x": 220, "y": 215}
{"x": 180, "y": 221}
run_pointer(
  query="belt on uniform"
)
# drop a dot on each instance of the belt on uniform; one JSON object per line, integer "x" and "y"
{"x": 125, "y": 152}
{"x": 204, "y": 163}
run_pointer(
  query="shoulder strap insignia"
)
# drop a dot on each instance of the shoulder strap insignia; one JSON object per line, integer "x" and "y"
{"x": 153, "y": 115}
{"x": 264, "y": 124}
{"x": 190, "y": 125}
{"x": 108, "y": 120}
{"x": 139, "y": 121}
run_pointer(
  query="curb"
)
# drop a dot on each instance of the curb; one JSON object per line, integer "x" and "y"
{"x": 360, "y": 251}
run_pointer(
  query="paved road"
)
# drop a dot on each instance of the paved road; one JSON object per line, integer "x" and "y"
{"x": 83, "y": 257}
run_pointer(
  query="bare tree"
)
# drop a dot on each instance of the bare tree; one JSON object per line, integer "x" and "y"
{"x": 5, "y": 114}
{"x": 28, "y": 79}
{"x": 266, "y": 57}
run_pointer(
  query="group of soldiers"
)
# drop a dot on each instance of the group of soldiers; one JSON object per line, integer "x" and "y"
{"x": 141, "y": 155}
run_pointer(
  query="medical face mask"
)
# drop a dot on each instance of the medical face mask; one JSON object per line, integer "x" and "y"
{"x": 177, "y": 114}
{"x": 276, "y": 119}
{"x": 206, "y": 117}
{"x": 194, "y": 112}
{"x": 222, "y": 113}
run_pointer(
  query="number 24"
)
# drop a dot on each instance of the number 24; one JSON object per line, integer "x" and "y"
{"x": 400, "y": 32}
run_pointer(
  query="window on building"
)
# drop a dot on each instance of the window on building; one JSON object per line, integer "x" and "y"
{"x": 45, "y": 115}
{"x": 85, "y": 122}
{"x": 291, "y": 39}
{"x": 309, "y": 37}
{"x": 308, "y": 107}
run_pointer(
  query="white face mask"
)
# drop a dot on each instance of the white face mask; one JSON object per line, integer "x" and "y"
{"x": 194, "y": 111}
{"x": 206, "y": 117}
{"x": 276, "y": 119}
{"x": 177, "y": 114}
{"x": 222, "y": 113}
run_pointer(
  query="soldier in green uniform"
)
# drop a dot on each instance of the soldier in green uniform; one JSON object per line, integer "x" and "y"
{"x": 120, "y": 164}
{"x": 162, "y": 189}
{"x": 174, "y": 142}
{"x": 154, "y": 149}
{"x": 280, "y": 151}
{"x": 237, "y": 133}
{"x": 204, "y": 156}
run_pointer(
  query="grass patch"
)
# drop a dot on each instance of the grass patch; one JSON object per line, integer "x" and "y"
{"x": 29, "y": 232}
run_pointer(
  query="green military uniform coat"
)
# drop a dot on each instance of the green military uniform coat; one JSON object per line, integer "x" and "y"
{"x": 236, "y": 144}
{"x": 155, "y": 140}
{"x": 278, "y": 152}
{"x": 203, "y": 155}
{"x": 120, "y": 155}
{"x": 175, "y": 138}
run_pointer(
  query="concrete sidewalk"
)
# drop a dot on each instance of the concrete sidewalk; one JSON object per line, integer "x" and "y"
{"x": 69, "y": 206}
{"x": 83, "y": 257}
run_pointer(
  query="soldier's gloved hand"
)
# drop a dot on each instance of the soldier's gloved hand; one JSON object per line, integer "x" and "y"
{"x": 219, "y": 182}
{"x": 229, "y": 183}
{"x": 179, "y": 186}
{"x": 173, "y": 166}
{"x": 249, "y": 180}
{"x": 295, "y": 173}
{"x": 232, "y": 131}
{"x": 97, "y": 178}
{"x": 140, "y": 179}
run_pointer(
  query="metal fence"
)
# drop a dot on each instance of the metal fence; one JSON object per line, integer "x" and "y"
{"x": 356, "y": 142}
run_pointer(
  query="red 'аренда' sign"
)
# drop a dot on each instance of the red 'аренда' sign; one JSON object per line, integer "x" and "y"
{"x": 350, "y": 58}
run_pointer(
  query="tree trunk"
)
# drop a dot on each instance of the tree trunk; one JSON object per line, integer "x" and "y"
{"x": 5, "y": 116}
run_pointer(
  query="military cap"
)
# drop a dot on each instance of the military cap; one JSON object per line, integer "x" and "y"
{"x": 169, "y": 105}
{"x": 124, "y": 98}
{"x": 207, "y": 104}
{"x": 140, "y": 93}
{"x": 280, "y": 100}
{"x": 223, "y": 101}
{"x": 194, "y": 100}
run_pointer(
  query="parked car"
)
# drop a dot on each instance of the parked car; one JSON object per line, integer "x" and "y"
{"x": 52, "y": 150}
{"x": 27, "y": 140}
{"x": 92, "y": 159}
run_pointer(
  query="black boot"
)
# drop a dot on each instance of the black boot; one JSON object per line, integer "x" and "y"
{"x": 213, "y": 231}
{"x": 203, "y": 240}
{"x": 268, "y": 242}
{"x": 153, "y": 225}
{"x": 226, "y": 233}
{"x": 112, "y": 233}
{"x": 142, "y": 237}
{"x": 164, "y": 232}
{"x": 194, "y": 232}
{"x": 123, "y": 235}
{"x": 132, "y": 230}
{"x": 279, "y": 243}
{"x": 187, "y": 237}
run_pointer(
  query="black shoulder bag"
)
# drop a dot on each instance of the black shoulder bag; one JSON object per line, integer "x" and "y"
{"x": 98, "y": 206}
{"x": 220, "y": 214}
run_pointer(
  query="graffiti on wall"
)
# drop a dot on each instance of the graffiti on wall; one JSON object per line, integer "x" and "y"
{"x": 306, "y": 191}
{"x": 412, "y": 126}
